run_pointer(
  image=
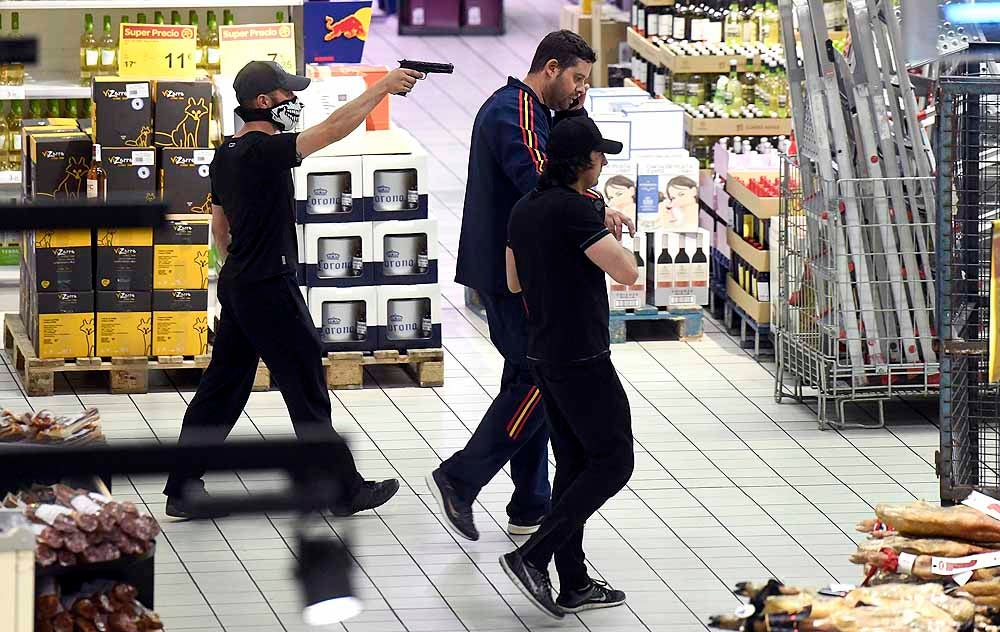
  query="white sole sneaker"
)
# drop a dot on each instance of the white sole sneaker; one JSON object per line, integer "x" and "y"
{"x": 516, "y": 529}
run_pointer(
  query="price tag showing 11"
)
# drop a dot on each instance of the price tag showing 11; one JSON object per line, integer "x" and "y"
{"x": 157, "y": 51}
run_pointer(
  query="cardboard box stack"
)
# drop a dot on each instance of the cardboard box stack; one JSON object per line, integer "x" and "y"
{"x": 369, "y": 253}
{"x": 655, "y": 182}
{"x": 112, "y": 291}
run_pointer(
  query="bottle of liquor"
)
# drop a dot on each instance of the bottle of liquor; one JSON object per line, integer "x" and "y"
{"x": 652, "y": 25}
{"x": 660, "y": 82}
{"x": 699, "y": 267}
{"x": 212, "y": 59}
{"x": 781, "y": 88}
{"x": 84, "y": 108}
{"x": 4, "y": 142}
{"x": 158, "y": 17}
{"x": 175, "y": 17}
{"x": 357, "y": 263}
{"x": 228, "y": 19}
{"x": 677, "y": 85}
{"x": 72, "y": 111}
{"x": 640, "y": 18}
{"x": 279, "y": 17}
{"x": 696, "y": 22}
{"x": 681, "y": 11}
{"x": 734, "y": 24}
{"x": 140, "y": 18}
{"x": 53, "y": 110}
{"x": 771, "y": 24}
{"x": 35, "y": 108}
{"x": 109, "y": 50}
{"x": 361, "y": 324}
{"x": 697, "y": 90}
{"x": 734, "y": 89}
{"x": 97, "y": 177}
{"x": 716, "y": 23}
{"x": 199, "y": 48}
{"x": 14, "y": 134}
{"x": 635, "y": 16}
{"x": 90, "y": 51}
{"x": 665, "y": 268}
{"x": 764, "y": 287}
{"x": 666, "y": 23}
{"x": 15, "y": 72}
{"x": 426, "y": 324}
{"x": 750, "y": 30}
{"x": 682, "y": 267}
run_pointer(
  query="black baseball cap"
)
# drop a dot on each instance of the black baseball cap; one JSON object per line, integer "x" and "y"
{"x": 578, "y": 136}
{"x": 264, "y": 77}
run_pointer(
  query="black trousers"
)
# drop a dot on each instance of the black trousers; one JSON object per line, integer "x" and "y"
{"x": 265, "y": 320}
{"x": 590, "y": 425}
{"x": 513, "y": 428}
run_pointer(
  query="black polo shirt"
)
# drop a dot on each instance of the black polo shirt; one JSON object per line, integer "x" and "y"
{"x": 252, "y": 181}
{"x": 564, "y": 291}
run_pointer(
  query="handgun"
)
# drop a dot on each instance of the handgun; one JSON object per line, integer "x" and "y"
{"x": 427, "y": 67}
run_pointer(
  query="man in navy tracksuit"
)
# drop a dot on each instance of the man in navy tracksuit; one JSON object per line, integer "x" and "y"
{"x": 506, "y": 156}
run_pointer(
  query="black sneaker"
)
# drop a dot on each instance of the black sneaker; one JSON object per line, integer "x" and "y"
{"x": 371, "y": 495}
{"x": 533, "y": 583}
{"x": 597, "y": 595}
{"x": 519, "y": 526}
{"x": 457, "y": 514}
{"x": 184, "y": 506}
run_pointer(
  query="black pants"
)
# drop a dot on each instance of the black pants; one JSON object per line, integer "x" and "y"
{"x": 591, "y": 429}
{"x": 265, "y": 320}
{"x": 513, "y": 428}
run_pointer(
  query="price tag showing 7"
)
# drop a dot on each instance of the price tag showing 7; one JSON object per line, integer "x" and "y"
{"x": 157, "y": 51}
{"x": 242, "y": 43}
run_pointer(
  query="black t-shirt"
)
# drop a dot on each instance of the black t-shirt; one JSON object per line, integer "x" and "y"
{"x": 564, "y": 291}
{"x": 252, "y": 181}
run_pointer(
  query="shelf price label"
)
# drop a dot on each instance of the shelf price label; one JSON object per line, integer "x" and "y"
{"x": 242, "y": 43}
{"x": 157, "y": 51}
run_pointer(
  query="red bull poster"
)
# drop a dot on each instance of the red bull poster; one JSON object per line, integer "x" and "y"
{"x": 336, "y": 31}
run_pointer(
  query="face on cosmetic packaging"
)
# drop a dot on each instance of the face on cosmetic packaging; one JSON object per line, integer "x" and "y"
{"x": 329, "y": 193}
{"x": 339, "y": 257}
{"x": 396, "y": 190}
{"x": 409, "y": 319}
{"x": 344, "y": 321}
{"x": 405, "y": 254}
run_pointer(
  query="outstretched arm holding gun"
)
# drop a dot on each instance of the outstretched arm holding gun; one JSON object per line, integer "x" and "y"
{"x": 426, "y": 67}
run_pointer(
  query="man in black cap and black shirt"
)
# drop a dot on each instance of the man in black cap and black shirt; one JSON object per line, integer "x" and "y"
{"x": 557, "y": 255}
{"x": 263, "y": 313}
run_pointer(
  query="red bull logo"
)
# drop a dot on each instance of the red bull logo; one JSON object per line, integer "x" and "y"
{"x": 354, "y": 26}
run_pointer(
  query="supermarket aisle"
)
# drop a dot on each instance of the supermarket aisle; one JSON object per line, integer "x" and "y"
{"x": 728, "y": 485}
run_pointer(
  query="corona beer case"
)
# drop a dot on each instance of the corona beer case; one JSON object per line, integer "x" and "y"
{"x": 182, "y": 113}
{"x": 59, "y": 165}
{"x": 185, "y": 184}
{"x": 124, "y": 259}
{"x": 180, "y": 322}
{"x": 60, "y": 260}
{"x": 406, "y": 252}
{"x": 62, "y": 324}
{"x": 131, "y": 173}
{"x": 329, "y": 189}
{"x": 395, "y": 186}
{"x": 631, "y": 296}
{"x": 339, "y": 255}
{"x": 124, "y": 324}
{"x": 409, "y": 317}
{"x": 122, "y": 113}
{"x": 180, "y": 255}
{"x": 345, "y": 317}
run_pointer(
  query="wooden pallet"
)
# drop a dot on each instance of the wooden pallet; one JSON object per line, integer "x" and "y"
{"x": 128, "y": 375}
{"x": 345, "y": 370}
{"x": 685, "y": 323}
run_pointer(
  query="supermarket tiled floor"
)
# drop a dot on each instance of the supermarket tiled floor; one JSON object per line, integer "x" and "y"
{"x": 728, "y": 485}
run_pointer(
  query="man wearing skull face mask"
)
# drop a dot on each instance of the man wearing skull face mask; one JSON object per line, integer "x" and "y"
{"x": 263, "y": 313}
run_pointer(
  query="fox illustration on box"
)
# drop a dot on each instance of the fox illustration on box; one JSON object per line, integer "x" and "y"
{"x": 185, "y": 134}
{"x": 72, "y": 183}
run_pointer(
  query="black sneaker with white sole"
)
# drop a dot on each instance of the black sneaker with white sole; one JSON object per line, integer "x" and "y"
{"x": 520, "y": 526}
{"x": 597, "y": 595}
{"x": 532, "y": 582}
{"x": 457, "y": 513}
{"x": 372, "y": 494}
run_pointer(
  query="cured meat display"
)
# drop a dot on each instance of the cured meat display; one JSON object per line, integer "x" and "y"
{"x": 73, "y": 526}
{"x": 46, "y": 428}
{"x": 98, "y": 607}
{"x": 923, "y": 568}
